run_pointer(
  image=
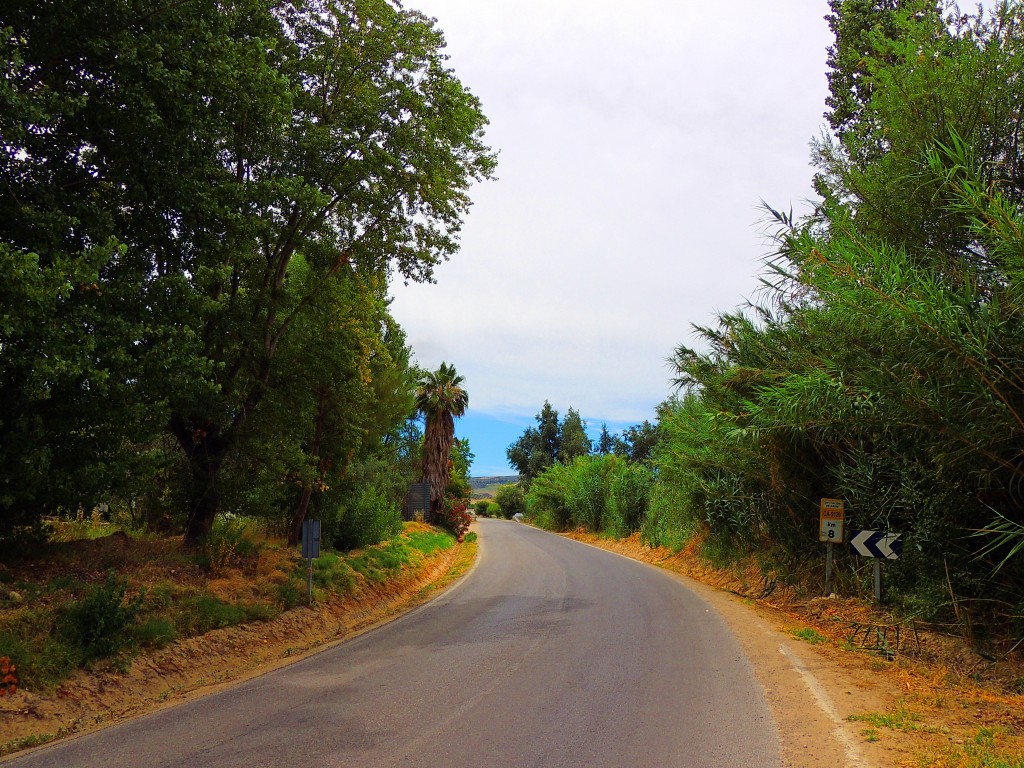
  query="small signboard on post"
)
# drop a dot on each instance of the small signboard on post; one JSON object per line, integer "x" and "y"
{"x": 310, "y": 551}
{"x": 831, "y": 513}
{"x": 881, "y": 545}
{"x": 417, "y": 502}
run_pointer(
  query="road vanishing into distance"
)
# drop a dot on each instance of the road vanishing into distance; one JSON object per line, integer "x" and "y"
{"x": 549, "y": 653}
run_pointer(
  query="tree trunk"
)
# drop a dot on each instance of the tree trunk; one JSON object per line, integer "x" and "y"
{"x": 206, "y": 449}
{"x": 314, "y": 453}
{"x": 437, "y": 446}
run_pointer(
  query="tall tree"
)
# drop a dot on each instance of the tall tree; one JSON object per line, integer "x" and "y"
{"x": 441, "y": 399}
{"x": 206, "y": 147}
{"x": 572, "y": 437}
{"x": 637, "y": 442}
{"x": 538, "y": 447}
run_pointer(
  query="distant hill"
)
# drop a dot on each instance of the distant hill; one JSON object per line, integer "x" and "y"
{"x": 484, "y": 487}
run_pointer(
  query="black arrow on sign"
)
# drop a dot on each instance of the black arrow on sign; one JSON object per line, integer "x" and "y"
{"x": 884, "y": 545}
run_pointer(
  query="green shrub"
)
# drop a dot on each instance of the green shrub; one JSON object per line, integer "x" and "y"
{"x": 494, "y": 510}
{"x": 155, "y": 632}
{"x": 367, "y": 519}
{"x": 42, "y": 663}
{"x": 547, "y": 500}
{"x": 628, "y": 498}
{"x": 332, "y": 573}
{"x": 511, "y": 500}
{"x": 292, "y": 593}
{"x": 99, "y": 623}
{"x": 481, "y": 508}
{"x": 261, "y": 612}
{"x": 203, "y": 613}
{"x": 231, "y": 542}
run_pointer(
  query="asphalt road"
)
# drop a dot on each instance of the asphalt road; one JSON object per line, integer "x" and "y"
{"x": 550, "y": 653}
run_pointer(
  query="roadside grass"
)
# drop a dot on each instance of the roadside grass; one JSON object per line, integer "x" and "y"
{"x": 987, "y": 749}
{"x": 98, "y": 600}
{"x": 809, "y": 635}
{"x": 899, "y": 719}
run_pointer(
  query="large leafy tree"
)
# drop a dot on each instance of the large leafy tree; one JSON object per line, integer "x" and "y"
{"x": 188, "y": 154}
{"x": 882, "y": 366}
{"x": 441, "y": 398}
{"x": 537, "y": 448}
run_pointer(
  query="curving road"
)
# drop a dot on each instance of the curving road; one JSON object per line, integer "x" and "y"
{"x": 550, "y": 653}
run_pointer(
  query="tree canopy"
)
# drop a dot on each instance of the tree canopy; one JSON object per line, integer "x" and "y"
{"x": 202, "y": 206}
{"x": 881, "y": 364}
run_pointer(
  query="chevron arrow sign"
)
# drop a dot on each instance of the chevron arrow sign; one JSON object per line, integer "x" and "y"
{"x": 884, "y": 545}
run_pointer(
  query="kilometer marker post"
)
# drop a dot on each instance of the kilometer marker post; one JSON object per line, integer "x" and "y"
{"x": 830, "y": 530}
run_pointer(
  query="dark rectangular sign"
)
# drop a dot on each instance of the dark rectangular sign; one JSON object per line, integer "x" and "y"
{"x": 311, "y": 539}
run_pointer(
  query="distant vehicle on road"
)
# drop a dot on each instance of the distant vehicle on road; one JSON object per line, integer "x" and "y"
{"x": 518, "y": 517}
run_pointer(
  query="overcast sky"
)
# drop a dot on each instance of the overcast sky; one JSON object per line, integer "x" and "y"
{"x": 636, "y": 142}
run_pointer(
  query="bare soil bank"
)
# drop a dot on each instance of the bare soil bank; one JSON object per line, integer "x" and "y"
{"x": 199, "y": 665}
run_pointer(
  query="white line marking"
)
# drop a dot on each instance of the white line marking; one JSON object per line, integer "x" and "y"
{"x": 854, "y": 758}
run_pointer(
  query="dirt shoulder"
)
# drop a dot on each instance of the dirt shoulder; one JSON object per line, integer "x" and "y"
{"x": 931, "y": 702}
{"x": 199, "y": 665}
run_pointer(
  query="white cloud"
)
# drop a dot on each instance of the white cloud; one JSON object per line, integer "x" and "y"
{"x": 636, "y": 142}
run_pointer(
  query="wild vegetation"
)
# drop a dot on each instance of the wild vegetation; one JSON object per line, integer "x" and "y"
{"x": 101, "y": 596}
{"x": 203, "y": 206}
{"x": 881, "y": 362}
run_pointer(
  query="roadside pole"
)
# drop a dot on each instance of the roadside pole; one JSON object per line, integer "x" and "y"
{"x": 828, "y": 568}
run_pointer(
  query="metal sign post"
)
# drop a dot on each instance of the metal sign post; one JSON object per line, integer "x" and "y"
{"x": 831, "y": 513}
{"x": 310, "y": 551}
{"x": 881, "y": 545}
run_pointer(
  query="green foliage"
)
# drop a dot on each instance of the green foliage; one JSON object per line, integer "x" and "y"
{"x": 461, "y": 460}
{"x": 809, "y": 635}
{"x": 203, "y": 207}
{"x": 572, "y": 438}
{"x": 441, "y": 398}
{"x": 99, "y": 623}
{"x": 43, "y": 662}
{"x": 510, "y": 500}
{"x": 637, "y": 443}
{"x": 155, "y": 632}
{"x": 203, "y": 613}
{"x": 537, "y": 448}
{"x": 494, "y": 509}
{"x": 426, "y": 543}
{"x": 603, "y": 494}
{"x": 332, "y": 572}
{"x": 231, "y": 542}
{"x": 881, "y": 365}
{"x": 628, "y": 499}
{"x": 481, "y": 507}
{"x": 368, "y": 518}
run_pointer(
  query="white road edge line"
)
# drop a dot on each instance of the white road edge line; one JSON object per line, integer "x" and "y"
{"x": 854, "y": 758}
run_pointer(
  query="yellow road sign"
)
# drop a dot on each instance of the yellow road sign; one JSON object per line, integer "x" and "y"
{"x": 830, "y": 528}
{"x": 832, "y": 509}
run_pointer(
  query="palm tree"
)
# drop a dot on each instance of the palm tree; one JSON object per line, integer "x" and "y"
{"x": 441, "y": 398}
